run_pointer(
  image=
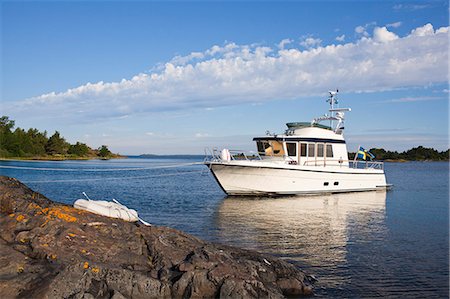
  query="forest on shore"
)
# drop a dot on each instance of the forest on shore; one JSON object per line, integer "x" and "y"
{"x": 32, "y": 144}
{"x": 419, "y": 153}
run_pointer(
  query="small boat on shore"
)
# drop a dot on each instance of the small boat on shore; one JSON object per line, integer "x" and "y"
{"x": 308, "y": 158}
{"x": 112, "y": 209}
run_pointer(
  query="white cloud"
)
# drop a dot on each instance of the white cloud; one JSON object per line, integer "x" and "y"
{"x": 360, "y": 29}
{"x": 310, "y": 42}
{"x": 442, "y": 30}
{"x": 423, "y": 31}
{"x": 149, "y": 133}
{"x": 284, "y": 42}
{"x": 234, "y": 74}
{"x": 413, "y": 99}
{"x": 411, "y": 6}
{"x": 394, "y": 25}
{"x": 340, "y": 38}
{"x": 201, "y": 135}
{"x": 382, "y": 35}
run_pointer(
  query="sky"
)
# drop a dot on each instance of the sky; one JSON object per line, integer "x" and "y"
{"x": 175, "y": 77}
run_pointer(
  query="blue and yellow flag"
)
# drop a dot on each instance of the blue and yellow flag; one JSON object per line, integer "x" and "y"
{"x": 363, "y": 154}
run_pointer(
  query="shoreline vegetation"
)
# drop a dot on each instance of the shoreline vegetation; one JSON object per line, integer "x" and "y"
{"x": 419, "y": 153}
{"x": 18, "y": 144}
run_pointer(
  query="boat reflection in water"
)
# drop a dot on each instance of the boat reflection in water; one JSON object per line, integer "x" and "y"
{"x": 314, "y": 232}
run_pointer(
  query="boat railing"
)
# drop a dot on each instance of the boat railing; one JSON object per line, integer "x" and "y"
{"x": 351, "y": 163}
{"x": 244, "y": 155}
{"x": 215, "y": 155}
{"x": 211, "y": 155}
{"x": 366, "y": 164}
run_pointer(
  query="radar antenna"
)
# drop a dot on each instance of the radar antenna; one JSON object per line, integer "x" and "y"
{"x": 333, "y": 100}
{"x": 336, "y": 114}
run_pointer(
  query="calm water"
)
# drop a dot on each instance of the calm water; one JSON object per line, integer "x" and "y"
{"x": 373, "y": 244}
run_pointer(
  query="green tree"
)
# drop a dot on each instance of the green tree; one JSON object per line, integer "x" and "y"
{"x": 103, "y": 151}
{"x": 6, "y": 125}
{"x": 56, "y": 145}
{"x": 79, "y": 149}
{"x": 422, "y": 153}
{"x": 38, "y": 142}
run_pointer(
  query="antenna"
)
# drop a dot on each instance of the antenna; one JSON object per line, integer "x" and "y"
{"x": 332, "y": 99}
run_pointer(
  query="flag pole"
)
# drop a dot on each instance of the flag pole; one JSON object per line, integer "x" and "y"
{"x": 356, "y": 154}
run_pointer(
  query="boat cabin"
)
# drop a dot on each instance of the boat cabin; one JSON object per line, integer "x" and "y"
{"x": 305, "y": 144}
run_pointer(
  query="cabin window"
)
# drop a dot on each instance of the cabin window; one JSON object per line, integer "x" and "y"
{"x": 320, "y": 150}
{"x": 302, "y": 149}
{"x": 270, "y": 148}
{"x": 276, "y": 149}
{"x": 311, "y": 149}
{"x": 262, "y": 147}
{"x": 329, "y": 151}
{"x": 291, "y": 149}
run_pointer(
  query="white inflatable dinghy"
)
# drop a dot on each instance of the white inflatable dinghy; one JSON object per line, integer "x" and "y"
{"x": 112, "y": 209}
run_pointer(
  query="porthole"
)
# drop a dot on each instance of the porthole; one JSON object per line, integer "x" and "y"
{"x": 336, "y": 183}
{"x": 326, "y": 183}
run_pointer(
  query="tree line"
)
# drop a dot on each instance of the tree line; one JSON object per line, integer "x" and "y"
{"x": 419, "y": 153}
{"x": 35, "y": 144}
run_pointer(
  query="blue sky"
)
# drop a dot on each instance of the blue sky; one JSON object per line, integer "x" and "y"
{"x": 175, "y": 77}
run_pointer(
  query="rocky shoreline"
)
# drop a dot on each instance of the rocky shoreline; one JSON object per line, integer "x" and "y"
{"x": 52, "y": 250}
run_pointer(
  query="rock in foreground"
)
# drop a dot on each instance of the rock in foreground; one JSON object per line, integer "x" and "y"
{"x": 56, "y": 251}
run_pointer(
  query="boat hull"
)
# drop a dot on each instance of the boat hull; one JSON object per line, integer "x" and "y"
{"x": 245, "y": 179}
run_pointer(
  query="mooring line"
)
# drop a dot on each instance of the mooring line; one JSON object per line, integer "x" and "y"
{"x": 113, "y": 178}
{"x": 99, "y": 170}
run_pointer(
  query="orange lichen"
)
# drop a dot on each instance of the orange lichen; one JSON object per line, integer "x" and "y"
{"x": 33, "y": 206}
{"x": 95, "y": 270}
{"x": 61, "y": 212}
{"x": 71, "y": 235}
{"x": 53, "y": 256}
{"x": 20, "y": 269}
{"x": 86, "y": 265}
{"x": 57, "y": 212}
{"x": 83, "y": 251}
{"x": 20, "y": 218}
{"x": 12, "y": 215}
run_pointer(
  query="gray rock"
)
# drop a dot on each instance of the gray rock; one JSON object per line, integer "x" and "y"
{"x": 52, "y": 250}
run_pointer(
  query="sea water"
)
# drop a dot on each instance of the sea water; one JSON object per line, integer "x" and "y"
{"x": 369, "y": 244}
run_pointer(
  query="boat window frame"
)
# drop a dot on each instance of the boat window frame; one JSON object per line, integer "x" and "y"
{"x": 318, "y": 145}
{"x": 313, "y": 154}
{"x": 329, "y": 146}
{"x": 305, "y": 153}
{"x": 289, "y": 154}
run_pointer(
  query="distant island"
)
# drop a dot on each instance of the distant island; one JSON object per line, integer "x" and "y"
{"x": 35, "y": 145}
{"x": 419, "y": 153}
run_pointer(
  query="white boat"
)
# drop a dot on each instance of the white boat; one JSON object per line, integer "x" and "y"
{"x": 308, "y": 158}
